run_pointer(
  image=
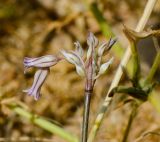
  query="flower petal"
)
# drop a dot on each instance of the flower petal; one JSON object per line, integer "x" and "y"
{"x": 70, "y": 57}
{"x": 102, "y": 48}
{"x": 104, "y": 67}
{"x": 39, "y": 79}
{"x": 41, "y": 62}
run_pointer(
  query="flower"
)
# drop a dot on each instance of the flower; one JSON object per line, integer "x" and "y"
{"x": 43, "y": 64}
{"x": 74, "y": 58}
{"x": 105, "y": 47}
{"x": 90, "y": 68}
{"x": 39, "y": 79}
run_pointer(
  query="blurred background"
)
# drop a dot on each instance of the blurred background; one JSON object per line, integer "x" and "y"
{"x": 38, "y": 27}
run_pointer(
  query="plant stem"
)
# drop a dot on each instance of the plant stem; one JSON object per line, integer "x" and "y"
{"x": 104, "y": 107}
{"x": 46, "y": 125}
{"x": 85, "y": 123}
{"x": 153, "y": 68}
{"x": 155, "y": 64}
{"x": 136, "y": 63}
{"x": 131, "y": 118}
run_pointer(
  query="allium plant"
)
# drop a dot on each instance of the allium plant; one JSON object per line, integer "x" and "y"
{"x": 90, "y": 67}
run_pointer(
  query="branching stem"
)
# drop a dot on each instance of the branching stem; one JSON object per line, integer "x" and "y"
{"x": 142, "y": 22}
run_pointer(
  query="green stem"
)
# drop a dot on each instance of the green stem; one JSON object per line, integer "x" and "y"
{"x": 85, "y": 123}
{"x": 153, "y": 68}
{"x": 131, "y": 118}
{"x": 46, "y": 125}
{"x": 136, "y": 63}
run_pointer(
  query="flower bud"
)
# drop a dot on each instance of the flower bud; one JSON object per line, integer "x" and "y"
{"x": 105, "y": 47}
{"x": 104, "y": 67}
{"x": 79, "y": 49}
{"x": 75, "y": 59}
{"x": 92, "y": 42}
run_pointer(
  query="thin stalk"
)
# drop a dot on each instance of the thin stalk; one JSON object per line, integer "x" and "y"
{"x": 154, "y": 96}
{"x": 85, "y": 123}
{"x": 136, "y": 63}
{"x": 129, "y": 124}
{"x": 156, "y": 63}
{"x": 46, "y": 125}
{"x": 153, "y": 68}
{"x": 104, "y": 107}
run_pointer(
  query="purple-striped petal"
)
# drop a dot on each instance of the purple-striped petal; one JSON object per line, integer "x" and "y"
{"x": 39, "y": 79}
{"x": 41, "y": 62}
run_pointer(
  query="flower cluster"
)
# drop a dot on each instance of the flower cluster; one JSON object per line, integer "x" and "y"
{"x": 90, "y": 68}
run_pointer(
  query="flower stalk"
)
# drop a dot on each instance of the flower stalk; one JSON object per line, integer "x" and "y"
{"x": 87, "y": 100}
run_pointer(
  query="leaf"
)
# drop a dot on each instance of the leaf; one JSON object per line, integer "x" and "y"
{"x": 133, "y": 35}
